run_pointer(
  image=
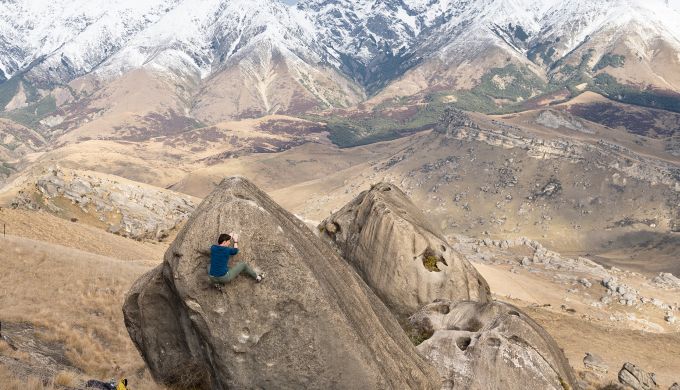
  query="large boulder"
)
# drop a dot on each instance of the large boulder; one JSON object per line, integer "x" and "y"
{"x": 313, "y": 323}
{"x": 595, "y": 363}
{"x": 490, "y": 345}
{"x": 636, "y": 378}
{"x": 399, "y": 253}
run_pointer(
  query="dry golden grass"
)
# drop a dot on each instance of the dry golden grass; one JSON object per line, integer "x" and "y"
{"x": 66, "y": 378}
{"x": 43, "y": 226}
{"x": 10, "y": 382}
{"x": 75, "y": 300}
{"x": 4, "y": 348}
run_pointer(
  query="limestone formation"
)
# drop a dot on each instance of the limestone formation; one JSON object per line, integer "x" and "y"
{"x": 634, "y": 377}
{"x": 595, "y": 363}
{"x": 667, "y": 280}
{"x": 313, "y": 323}
{"x": 399, "y": 253}
{"x": 123, "y": 207}
{"x": 625, "y": 294}
{"x": 490, "y": 345}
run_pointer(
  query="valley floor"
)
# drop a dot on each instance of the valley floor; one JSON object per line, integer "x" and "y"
{"x": 598, "y": 207}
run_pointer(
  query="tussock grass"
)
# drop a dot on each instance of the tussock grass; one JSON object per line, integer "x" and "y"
{"x": 75, "y": 301}
{"x": 10, "y": 382}
{"x": 66, "y": 378}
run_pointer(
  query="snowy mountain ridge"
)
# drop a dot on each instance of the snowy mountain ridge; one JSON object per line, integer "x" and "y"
{"x": 114, "y": 36}
{"x": 336, "y": 51}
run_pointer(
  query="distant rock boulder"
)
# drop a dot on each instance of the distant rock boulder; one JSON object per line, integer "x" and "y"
{"x": 489, "y": 345}
{"x": 400, "y": 254}
{"x": 666, "y": 280}
{"x": 313, "y": 323}
{"x": 636, "y": 378}
{"x": 595, "y": 363}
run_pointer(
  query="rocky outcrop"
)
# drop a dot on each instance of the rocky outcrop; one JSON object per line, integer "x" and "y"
{"x": 399, "y": 253}
{"x": 619, "y": 291}
{"x": 595, "y": 363}
{"x": 313, "y": 323}
{"x": 490, "y": 345}
{"x": 604, "y": 154}
{"x": 634, "y": 377}
{"x": 666, "y": 280}
{"x": 120, "y": 206}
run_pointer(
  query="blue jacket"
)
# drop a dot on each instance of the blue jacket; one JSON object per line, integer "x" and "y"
{"x": 219, "y": 259}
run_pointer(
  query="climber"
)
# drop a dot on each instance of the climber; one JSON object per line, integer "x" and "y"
{"x": 219, "y": 270}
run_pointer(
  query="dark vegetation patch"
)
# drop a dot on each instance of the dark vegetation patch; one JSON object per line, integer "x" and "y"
{"x": 292, "y": 127}
{"x": 544, "y": 50}
{"x": 157, "y": 125}
{"x": 8, "y": 89}
{"x": 300, "y": 102}
{"x": 386, "y": 122}
{"x": 31, "y": 115}
{"x": 21, "y": 136}
{"x": 418, "y": 338}
{"x": 613, "y": 60}
{"x": 610, "y": 386}
{"x": 431, "y": 260}
{"x": 646, "y": 122}
{"x": 607, "y": 85}
{"x": 521, "y": 84}
{"x": 383, "y": 68}
{"x": 570, "y": 76}
{"x": 198, "y": 137}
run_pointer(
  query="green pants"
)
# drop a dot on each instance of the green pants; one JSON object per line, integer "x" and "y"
{"x": 233, "y": 272}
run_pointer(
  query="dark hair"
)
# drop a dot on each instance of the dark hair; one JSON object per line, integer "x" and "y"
{"x": 223, "y": 237}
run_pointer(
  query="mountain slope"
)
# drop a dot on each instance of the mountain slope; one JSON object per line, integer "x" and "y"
{"x": 507, "y": 52}
{"x": 258, "y": 44}
{"x": 223, "y": 59}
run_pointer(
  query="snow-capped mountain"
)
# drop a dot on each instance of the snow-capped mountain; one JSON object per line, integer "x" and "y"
{"x": 234, "y": 58}
{"x": 188, "y": 41}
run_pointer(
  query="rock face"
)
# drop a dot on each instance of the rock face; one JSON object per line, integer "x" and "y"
{"x": 313, "y": 323}
{"x": 399, "y": 253}
{"x": 122, "y": 207}
{"x": 490, "y": 345}
{"x": 636, "y": 378}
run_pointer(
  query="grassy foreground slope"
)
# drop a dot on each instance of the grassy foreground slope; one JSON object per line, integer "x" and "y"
{"x": 60, "y": 306}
